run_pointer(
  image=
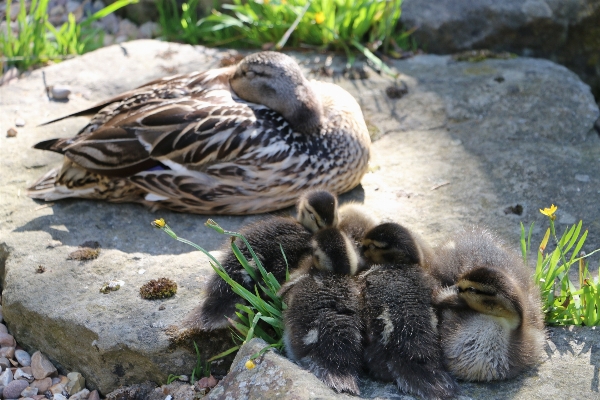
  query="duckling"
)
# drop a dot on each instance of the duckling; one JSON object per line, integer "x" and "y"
{"x": 491, "y": 323}
{"x": 401, "y": 327}
{"x": 355, "y": 220}
{"x": 323, "y": 330}
{"x": 317, "y": 209}
{"x": 265, "y": 236}
{"x": 237, "y": 140}
{"x": 393, "y": 243}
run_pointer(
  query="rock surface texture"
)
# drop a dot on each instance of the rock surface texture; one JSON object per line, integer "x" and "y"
{"x": 565, "y": 31}
{"x": 469, "y": 143}
{"x": 569, "y": 349}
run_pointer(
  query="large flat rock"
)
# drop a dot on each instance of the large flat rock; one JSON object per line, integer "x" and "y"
{"x": 569, "y": 371}
{"x": 468, "y": 141}
{"x": 565, "y": 31}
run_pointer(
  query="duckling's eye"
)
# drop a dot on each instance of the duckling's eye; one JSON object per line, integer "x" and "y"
{"x": 372, "y": 246}
{"x": 312, "y": 216}
{"x": 249, "y": 74}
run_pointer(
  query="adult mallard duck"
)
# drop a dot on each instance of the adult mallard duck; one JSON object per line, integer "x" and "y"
{"x": 236, "y": 140}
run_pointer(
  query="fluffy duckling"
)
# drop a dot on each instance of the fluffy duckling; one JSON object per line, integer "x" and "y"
{"x": 491, "y": 323}
{"x": 265, "y": 236}
{"x": 401, "y": 327}
{"x": 355, "y": 220}
{"x": 323, "y": 331}
{"x": 237, "y": 140}
{"x": 392, "y": 243}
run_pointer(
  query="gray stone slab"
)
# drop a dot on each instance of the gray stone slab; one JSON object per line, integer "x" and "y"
{"x": 468, "y": 141}
{"x": 565, "y": 31}
{"x": 569, "y": 371}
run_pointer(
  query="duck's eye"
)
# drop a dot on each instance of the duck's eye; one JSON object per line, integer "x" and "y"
{"x": 249, "y": 74}
{"x": 372, "y": 246}
{"x": 312, "y": 216}
{"x": 471, "y": 290}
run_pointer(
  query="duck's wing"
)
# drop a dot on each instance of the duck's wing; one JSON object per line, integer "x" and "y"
{"x": 158, "y": 88}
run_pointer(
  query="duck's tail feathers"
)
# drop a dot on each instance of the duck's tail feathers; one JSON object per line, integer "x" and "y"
{"x": 47, "y": 189}
{"x": 56, "y": 145}
{"x": 430, "y": 384}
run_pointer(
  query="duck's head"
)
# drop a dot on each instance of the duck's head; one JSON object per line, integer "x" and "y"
{"x": 334, "y": 252}
{"x": 493, "y": 292}
{"x": 391, "y": 243}
{"x": 317, "y": 209}
{"x": 276, "y": 81}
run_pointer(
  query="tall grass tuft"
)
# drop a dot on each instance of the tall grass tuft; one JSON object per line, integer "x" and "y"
{"x": 363, "y": 25}
{"x": 564, "y": 302}
{"x": 38, "y": 42}
{"x": 261, "y": 318}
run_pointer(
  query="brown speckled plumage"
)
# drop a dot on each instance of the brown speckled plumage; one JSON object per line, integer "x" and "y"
{"x": 189, "y": 143}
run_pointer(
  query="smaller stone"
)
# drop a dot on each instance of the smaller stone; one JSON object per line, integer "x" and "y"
{"x": 7, "y": 340}
{"x": 3, "y": 328}
{"x": 60, "y": 92}
{"x": 57, "y": 11}
{"x": 4, "y": 363}
{"x": 148, "y": 30}
{"x": 6, "y": 377}
{"x": 29, "y": 391}
{"x": 42, "y": 384}
{"x": 94, "y": 395}
{"x": 57, "y": 388}
{"x": 58, "y": 396}
{"x": 582, "y": 178}
{"x": 14, "y": 388}
{"x": 39, "y": 397}
{"x": 8, "y": 352}
{"x": 72, "y": 6}
{"x": 19, "y": 122}
{"x": 81, "y": 395}
{"x": 11, "y": 132}
{"x": 23, "y": 358}
{"x": 56, "y": 380}
{"x": 121, "y": 39}
{"x": 20, "y": 374}
{"x": 76, "y": 382}
{"x": 41, "y": 366}
{"x": 98, "y": 5}
{"x": 108, "y": 39}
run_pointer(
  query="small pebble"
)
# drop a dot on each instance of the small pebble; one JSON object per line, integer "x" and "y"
{"x": 81, "y": 395}
{"x": 6, "y": 377}
{"x": 11, "y": 132}
{"x": 76, "y": 382}
{"x": 94, "y": 395}
{"x": 60, "y": 92}
{"x": 3, "y": 328}
{"x": 42, "y": 384}
{"x": 23, "y": 358}
{"x": 20, "y": 374}
{"x": 19, "y": 122}
{"x": 4, "y": 363}
{"x": 8, "y": 352}
{"x": 58, "y": 396}
{"x": 582, "y": 178}
{"x": 29, "y": 391}
{"x": 14, "y": 388}
{"x": 7, "y": 340}
{"x": 41, "y": 366}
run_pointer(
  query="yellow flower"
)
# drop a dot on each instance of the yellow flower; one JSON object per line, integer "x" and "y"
{"x": 320, "y": 17}
{"x": 250, "y": 364}
{"x": 549, "y": 212}
{"x": 159, "y": 223}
